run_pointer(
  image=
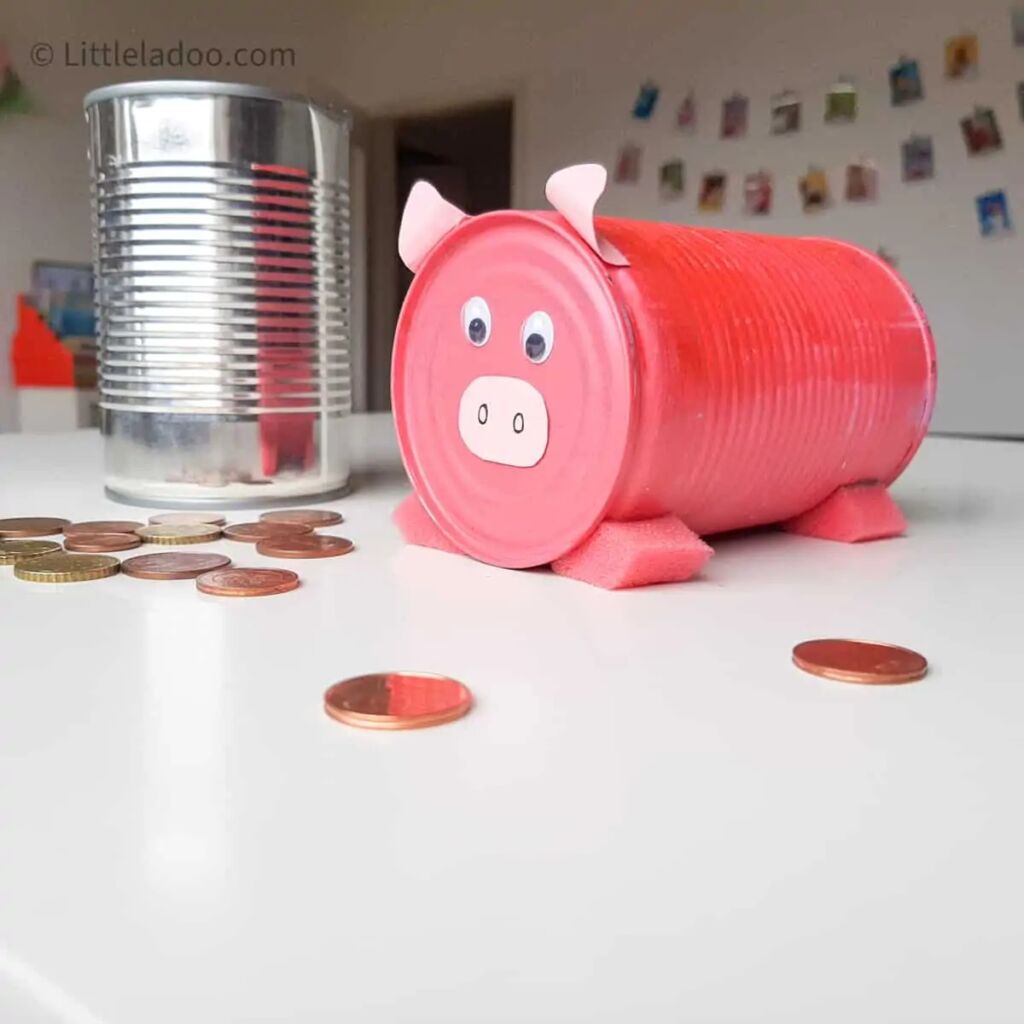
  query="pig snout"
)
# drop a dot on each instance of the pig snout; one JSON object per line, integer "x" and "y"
{"x": 504, "y": 420}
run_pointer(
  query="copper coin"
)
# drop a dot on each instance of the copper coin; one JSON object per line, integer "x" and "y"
{"x": 187, "y": 519}
{"x": 31, "y": 527}
{"x": 313, "y": 517}
{"x": 173, "y": 565}
{"x": 252, "y": 532}
{"x": 102, "y": 526}
{"x": 857, "y": 661}
{"x": 101, "y": 541}
{"x": 315, "y": 545}
{"x": 247, "y": 582}
{"x": 397, "y": 700}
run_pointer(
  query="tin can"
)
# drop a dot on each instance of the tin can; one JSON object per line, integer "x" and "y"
{"x": 221, "y": 247}
{"x": 724, "y": 378}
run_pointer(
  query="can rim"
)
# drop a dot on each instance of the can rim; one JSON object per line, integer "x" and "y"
{"x": 197, "y": 87}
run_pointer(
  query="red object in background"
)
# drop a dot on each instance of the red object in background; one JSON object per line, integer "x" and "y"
{"x": 38, "y": 359}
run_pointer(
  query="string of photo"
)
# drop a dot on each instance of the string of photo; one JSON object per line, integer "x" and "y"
{"x": 917, "y": 157}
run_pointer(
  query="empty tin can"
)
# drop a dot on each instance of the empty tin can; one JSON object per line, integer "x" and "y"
{"x": 221, "y": 247}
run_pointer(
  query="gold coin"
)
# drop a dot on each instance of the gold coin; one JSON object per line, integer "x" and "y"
{"x": 64, "y": 568}
{"x": 178, "y": 533}
{"x": 12, "y": 551}
{"x": 188, "y": 519}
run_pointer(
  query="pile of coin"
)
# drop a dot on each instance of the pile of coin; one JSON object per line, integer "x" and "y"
{"x": 85, "y": 554}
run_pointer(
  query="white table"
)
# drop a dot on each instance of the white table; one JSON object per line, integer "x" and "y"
{"x": 650, "y": 816}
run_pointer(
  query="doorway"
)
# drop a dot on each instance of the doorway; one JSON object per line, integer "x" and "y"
{"x": 466, "y": 154}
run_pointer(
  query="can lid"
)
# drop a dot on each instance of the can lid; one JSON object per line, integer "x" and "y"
{"x": 515, "y": 449}
{"x": 189, "y": 87}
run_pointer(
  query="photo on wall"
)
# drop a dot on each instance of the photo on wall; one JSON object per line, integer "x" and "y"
{"x": 981, "y": 132}
{"x": 758, "y": 189}
{"x": 671, "y": 179}
{"x": 814, "y": 195}
{"x": 785, "y": 113}
{"x": 993, "y": 214}
{"x": 686, "y": 114}
{"x": 734, "y": 116}
{"x": 627, "y": 164}
{"x": 1020, "y": 99}
{"x": 918, "y": 158}
{"x": 962, "y": 56}
{"x": 905, "y": 85}
{"x": 841, "y": 102}
{"x": 646, "y": 100}
{"x": 712, "y": 192}
{"x": 861, "y": 181}
{"x": 13, "y": 97}
{"x": 1017, "y": 25}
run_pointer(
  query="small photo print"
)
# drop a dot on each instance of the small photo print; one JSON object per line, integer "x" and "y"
{"x": 671, "y": 179}
{"x": 1017, "y": 25}
{"x": 757, "y": 194}
{"x": 686, "y": 115}
{"x": 861, "y": 181}
{"x": 712, "y": 192}
{"x": 841, "y": 102}
{"x": 785, "y": 113}
{"x": 905, "y": 84}
{"x": 993, "y": 214}
{"x": 646, "y": 98}
{"x": 981, "y": 132}
{"x": 962, "y": 56}
{"x": 918, "y": 158}
{"x": 627, "y": 164}
{"x": 1020, "y": 99}
{"x": 734, "y": 116}
{"x": 814, "y": 190}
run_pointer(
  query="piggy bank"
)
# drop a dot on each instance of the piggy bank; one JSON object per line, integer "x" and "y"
{"x": 599, "y": 394}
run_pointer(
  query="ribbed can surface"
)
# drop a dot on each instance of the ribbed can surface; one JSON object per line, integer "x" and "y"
{"x": 220, "y": 219}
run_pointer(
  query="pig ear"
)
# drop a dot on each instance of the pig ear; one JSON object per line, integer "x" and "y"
{"x": 574, "y": 192}
{"x": 427, "y": 218}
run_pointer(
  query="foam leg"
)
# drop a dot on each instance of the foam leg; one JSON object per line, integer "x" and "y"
{"x": 854, "y": 513}
{"x": 418, "y": 528}
{"x": 618, "y": 555}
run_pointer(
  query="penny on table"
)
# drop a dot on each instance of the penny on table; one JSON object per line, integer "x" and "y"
{"x": 102, "y": 526}
{"x": 173, "y": 565}
{"x": 13, "y": 551}
{"x": 314, "y": 517}
{"x": 253, "y": 532}
{"x": 187, "y": 519}
{"x": 32, "y": 526}
{"x": 397, "y": 700}
{"x": 313, "y": 545}
{"x": 236, "y": 582}
{"x": 101, "y": 541}
{"x": 858, "y": 661}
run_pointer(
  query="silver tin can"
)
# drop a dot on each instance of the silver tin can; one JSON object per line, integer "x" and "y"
{"x": 221, "y": 247}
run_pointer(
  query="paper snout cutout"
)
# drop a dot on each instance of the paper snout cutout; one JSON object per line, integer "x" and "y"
{"x": 574, "y": 192}
{"x": 426, "y": 219}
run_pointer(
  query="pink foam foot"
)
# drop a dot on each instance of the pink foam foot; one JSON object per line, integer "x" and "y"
{"x": 854, "y": 513}
{"x": 418, "y": 528}
{"x": 619, "y": 555}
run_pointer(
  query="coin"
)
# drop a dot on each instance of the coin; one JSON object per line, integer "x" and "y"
{"x": 247, "y": 582}
{"x": 397, "y": 700}
{"x": 179, "y": 533}
{"x": 173, "y": 565}
{"x": 304, "y": 546}
{"x": 858, "y": 661}
{"x": 60, "y": 567}
{"x": 252, "y": 532}
{"x": 12, "y": 551}
{"x": 304, "y": 516}
{"x": 101, "y": 541}
{"x": 31, "y": 527}
{"x": 102, "y": 526}
{"x": 188, "y": 519}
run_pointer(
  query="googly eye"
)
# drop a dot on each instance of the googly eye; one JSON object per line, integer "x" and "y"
{"x": 476, "y": 320}
{"x": 538, "y": 336}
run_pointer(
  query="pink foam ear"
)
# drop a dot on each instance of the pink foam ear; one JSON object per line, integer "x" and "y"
{"x": 574, "y": 192}
{"x": 426, "y": 219}
{"x": 854, "y": 513}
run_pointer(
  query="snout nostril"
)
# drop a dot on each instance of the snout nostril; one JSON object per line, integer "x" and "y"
{"x": 518, "y": 423}
{"x": 481, "y": 413}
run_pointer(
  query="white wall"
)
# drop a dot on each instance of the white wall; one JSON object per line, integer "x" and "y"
{"x": 574, "y": 66}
